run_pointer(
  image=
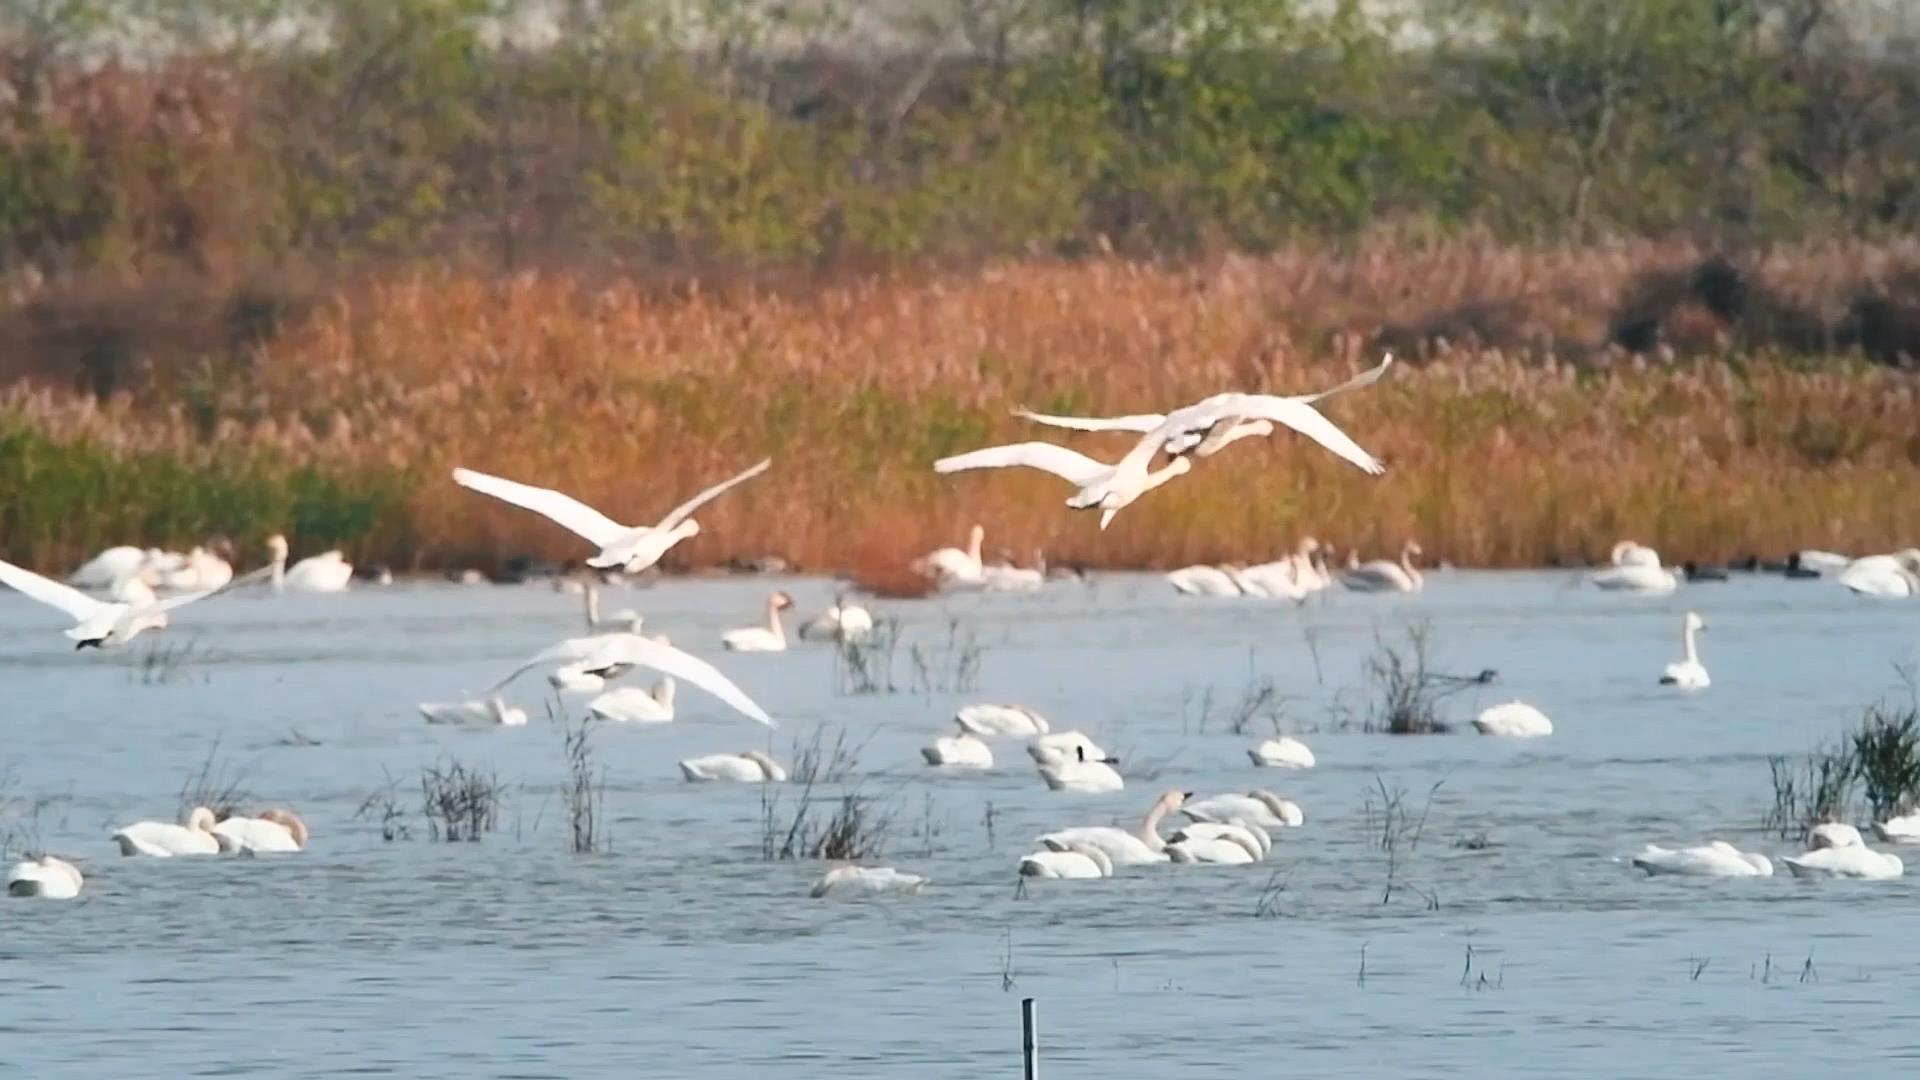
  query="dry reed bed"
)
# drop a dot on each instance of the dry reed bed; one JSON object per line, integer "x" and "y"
{"x": 632, "y": 396}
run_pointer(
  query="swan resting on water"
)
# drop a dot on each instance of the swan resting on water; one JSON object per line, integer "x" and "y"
{"x": 1688, "y": 673}
{"x": 866, "y": 880}
{"x": 1261, "y": 808}
{"x": 1143, "y": 844}
{"x": 493, "y": 712}
{"x": 1283, "y": 752}
{"x": 46, "y": 877}
{"x": 164, "y": 839}
{"x": 1082, "y": 773}
{"x": 750, "y": 767}
{"x": 1717, "y": 859}
{"x": 275, "y": 830}
{"x": 1513, "y": 720}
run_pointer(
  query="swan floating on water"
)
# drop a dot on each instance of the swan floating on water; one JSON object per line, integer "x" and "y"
{"x": 1513, "y": 720}
{"x": 163, "y": 839}
{"x": 1283, "y": 752}
{"x": 1385, "y": 575}
{"x": 607, "y": 652}
{"x": 1082, "y": 773}
{"x": 1143, "y": 844}
{"x": 1688, "y": 673}
{"x": 1635, "y": 568}
{"x": 1067, "y": 859}
{"x": 750, "y": 767}
{"x": 866, "y": 880}
{"x": 493, "y": 712}
{"x": 275, "y": 830}
{"x": 327, "y": 572}
{"x": 46, "y": 877}
{"x": 965, "y": 750}
{"x": 1203, "y": 581}
{"x": 110, "y": 566}
{"x": 632, "y": 548}
{"x": 102, "y": 623}
{"x": 1230, "y": 843}
{"x": 1896, "y": 575}
{"x": 1904, "y": 829}
{"x": 625, "y": 619}
{"x": 1002, "y": 720}
{"x": 632, "y": 705}
{"x": 1062, "y": 746}
{"x": 1261, "y": 808}
{"x": 952, "y": 566}
{"x": 771, "y": 637}
{"x": 1717, "y": 859}
{"x": 1840, "y": 852}
{"x": 200, "y": 569}
{"x": 844, "y": 621}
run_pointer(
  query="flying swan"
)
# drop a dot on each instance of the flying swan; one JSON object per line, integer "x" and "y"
{"x": 609, "y": 651}
{"x": 102, "y": 623}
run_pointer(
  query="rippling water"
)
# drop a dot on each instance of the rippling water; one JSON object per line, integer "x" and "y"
{"x": 682, "y": 953}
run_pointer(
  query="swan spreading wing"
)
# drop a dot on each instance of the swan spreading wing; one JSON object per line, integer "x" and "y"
{"x": 560, "y": 508}
{"x": 1072, "y": 466}
{"x": 608, "y": 650}
{"x": 78, "y": 605}
{"x": 680, "y": 513}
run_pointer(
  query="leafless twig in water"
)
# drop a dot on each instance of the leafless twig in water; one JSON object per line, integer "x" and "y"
{"x": 214, "y": 786}
{"x": 384, "y": 804}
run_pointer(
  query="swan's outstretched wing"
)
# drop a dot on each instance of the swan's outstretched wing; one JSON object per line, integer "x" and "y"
{"x": 607, "y": 650}
{"x": 1365, "y": 378}
{"x": 1074, "y": 467}
{"x": 1143, "y": 422}
{"x": 249, "y": 578}
{"x": 70, "y": 600}
{"x": 570, "y": 651}
{"x": 1301, "y": 417}
{"x": 558, "y": 507}
{"x": 680, "y": 513}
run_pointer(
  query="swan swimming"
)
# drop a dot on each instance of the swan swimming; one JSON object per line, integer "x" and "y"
{"x": 1688, "y": 673}
{"x": 1002, "y": 720}
{"x": 493, "y": 712}
{"x": 1261, "y": 808}
{"x": 1896, "y": 575}
{"x": 866, "y": 880}
{"x": 1143, "y": 844}
{"x": 632, "y": 548}
{"x": 1717, "y": 859}
{"x": 952, "y": 566}
{"x": 47, "y": 877}
{"x": 202, "y": 568}
{"x": 1385, "y": 575}
{"x": 1217, "y": 842}
{"x": 1635, "y": 568}
{"x": 1203, "y": 581}
{"x": 1005, "y": 577}
{"x": 771, "y": 637}
{"x": 844, "y": 621}
{"x": 1904, "y": 829}
{"x": 1284, "y": 752}
{"x": 1840, "y": 852}
{"x": 103, "y": 623}
{"x": 1060, "y": 746}
{"x": 632, "y": 705}
{"x": 327, "y": 572}
{"x": 625, "y": 619}
{"x": 1067, "y": 860}
{"x": 163, "y": 839}
{"x": 750, "y": 767}
{"x": 607, "y": 651}
{"x": 1082, "y": 773}
{"x": 275, "y": 830}
{"x": 1513, "y": 720}
{"x": 965, "y": 750}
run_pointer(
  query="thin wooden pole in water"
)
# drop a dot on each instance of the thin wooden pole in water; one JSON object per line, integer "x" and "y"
{"x": 1029, "y": 1045}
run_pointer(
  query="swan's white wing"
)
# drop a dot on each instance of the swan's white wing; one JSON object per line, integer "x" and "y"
{"x": 1301, "y": 417}
{"x": 1365, "y": 378}
{"x": 570, "y": 651}
{"x": 634, "y": 649}
{"x": 1143, "y": 422}
{"x": 562, "y": 509}
{"x": 184, "y": 599}
{"x": 70, "y": 600}
{"x": 680, "y": 513}
{"x": 1069, "y": 465}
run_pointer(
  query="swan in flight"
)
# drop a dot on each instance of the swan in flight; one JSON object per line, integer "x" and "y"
{"x": 1636, "y": 568}
{"x": 1143, "y": 844}
{"x": 1884, "y": 575}
{"x": 1904, "y": 829}
{"x": 866, "y": 880}
{"x": 771, "y": 637}
{"x": 1203, "y": 581}
{"x": 954, "y": 566}
{"x": 1262, "y": 808}
{"x": 751, "y": 767}
{"x": 1002, "y": 720}
{"x": 102, "y": 623}
{"x": 1842, "y": 853}
{"x": 493, "y": 712}
{"x": 1109, "y": 488}
{"x": 164, "y": 839}
{"x": 1717, "y": 859}
{"x": 632, "y": 548}
{"x": 1514, "y": 720}
{"x": 1066, "y": 860}
{"x": 273, "y": 831}
{"x": 1061, "y": 746}
{"x": 1385, "y": 575}
{"x": 1083, "y": 773}
{"x": 625, "y": 619}
{"x": 632, "y": 705}
{"x": 1688, "y": 673}
{"x": 326, "y": 572}
{"x": 1231, "y": 843}
{"x": 1284, "y": 752}
{"x": 844, "y": 621}
{"x": 610, "y": 651}
{"x": 966, "y": 750}
{"x": 47, "y": 877}
{"x": 1210, "y": 424}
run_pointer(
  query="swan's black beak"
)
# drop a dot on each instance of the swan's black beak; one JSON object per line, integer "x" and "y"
{"x": 78, "y": 645}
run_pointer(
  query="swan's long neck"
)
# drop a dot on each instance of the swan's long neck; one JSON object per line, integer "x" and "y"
{"x": 280, "y": 570}
{"x": 1686, "y": 641}
{"x": 774, "y": 626}
{"x": 663, "y": 692}
{"x": 1150, "y": 828}
{"x": 1406, "y": 563}
{"x": 974, "y": 540}
{"x": 593, "y": 607}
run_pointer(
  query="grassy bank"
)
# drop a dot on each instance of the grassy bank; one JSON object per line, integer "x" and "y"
{"x": 1540, "y": 444}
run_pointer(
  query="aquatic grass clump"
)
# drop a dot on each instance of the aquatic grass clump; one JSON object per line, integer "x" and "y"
{"x": 215, "y": 785}
{"x": 1813, "y": 789}
{"x": 585, "y": 792}
{"x": 1886, "y": 749}
{"x": 790, "y": 825}
{"x": 1407, "y": 692}
{"x": 460, "y": 802}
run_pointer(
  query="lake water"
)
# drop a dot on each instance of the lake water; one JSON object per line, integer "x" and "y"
{"x": 683, "y": 953}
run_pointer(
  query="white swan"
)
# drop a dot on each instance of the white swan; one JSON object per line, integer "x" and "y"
{"x": 201, "y": 569}
{"x": 1284, "y": 752}
{"x": 1066, "y": 860}
{"x": 632, "y": 548}
{"x": 326, "y": 572}
{"x": 1262, "y": 808}
{"x": 1061, "y": 746}
{"x": 1635, "y": 568}
{"x": 1002, "y": 720}
{"x": 1006, "y": 577}
{"x": 1143, "y": 844}
{"x": 101, "y": 623}
{"x": 1513, "y": 720}
{"x": 751, "y": 767}
{"x": 772, "y": 637}
{"x": 1630, "y": 553}
{"x": 1834, "y": 834}
{"x": 1896, "y": 575}
{"x": 1904, "y": 829}
{"x": 1108, "y": 488}
{"x": 965, "y": 750}
{"x": 1717, "y": 859}
{"x": 493, "y": 712}
{"x": 1203, "y": 581}
{"x": 625, "y": 619}
{"x": 164, "y": 839}
{"x": 632, "y": 705}
{"x": 274, "y": 830}
{"x": 1821, "y": 562}
{"x": 615, "y": 651}
{"x": 1841, "y": 853}
{"x": 952, "y": 566}
{"x": 47, "y": 877}
{"x": 866, "y": 880}
{"x": 1688, "y": 673}
{"x": 1307, "y": 571}
{"x": 109, "y": 566}
{"x": 1082, "y": 773}
{"x": 1385, "y": 575}
{"x": 844, "y": 621}
{"x": 1275, "y": 580}
{"x": 1214, "y": 842}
